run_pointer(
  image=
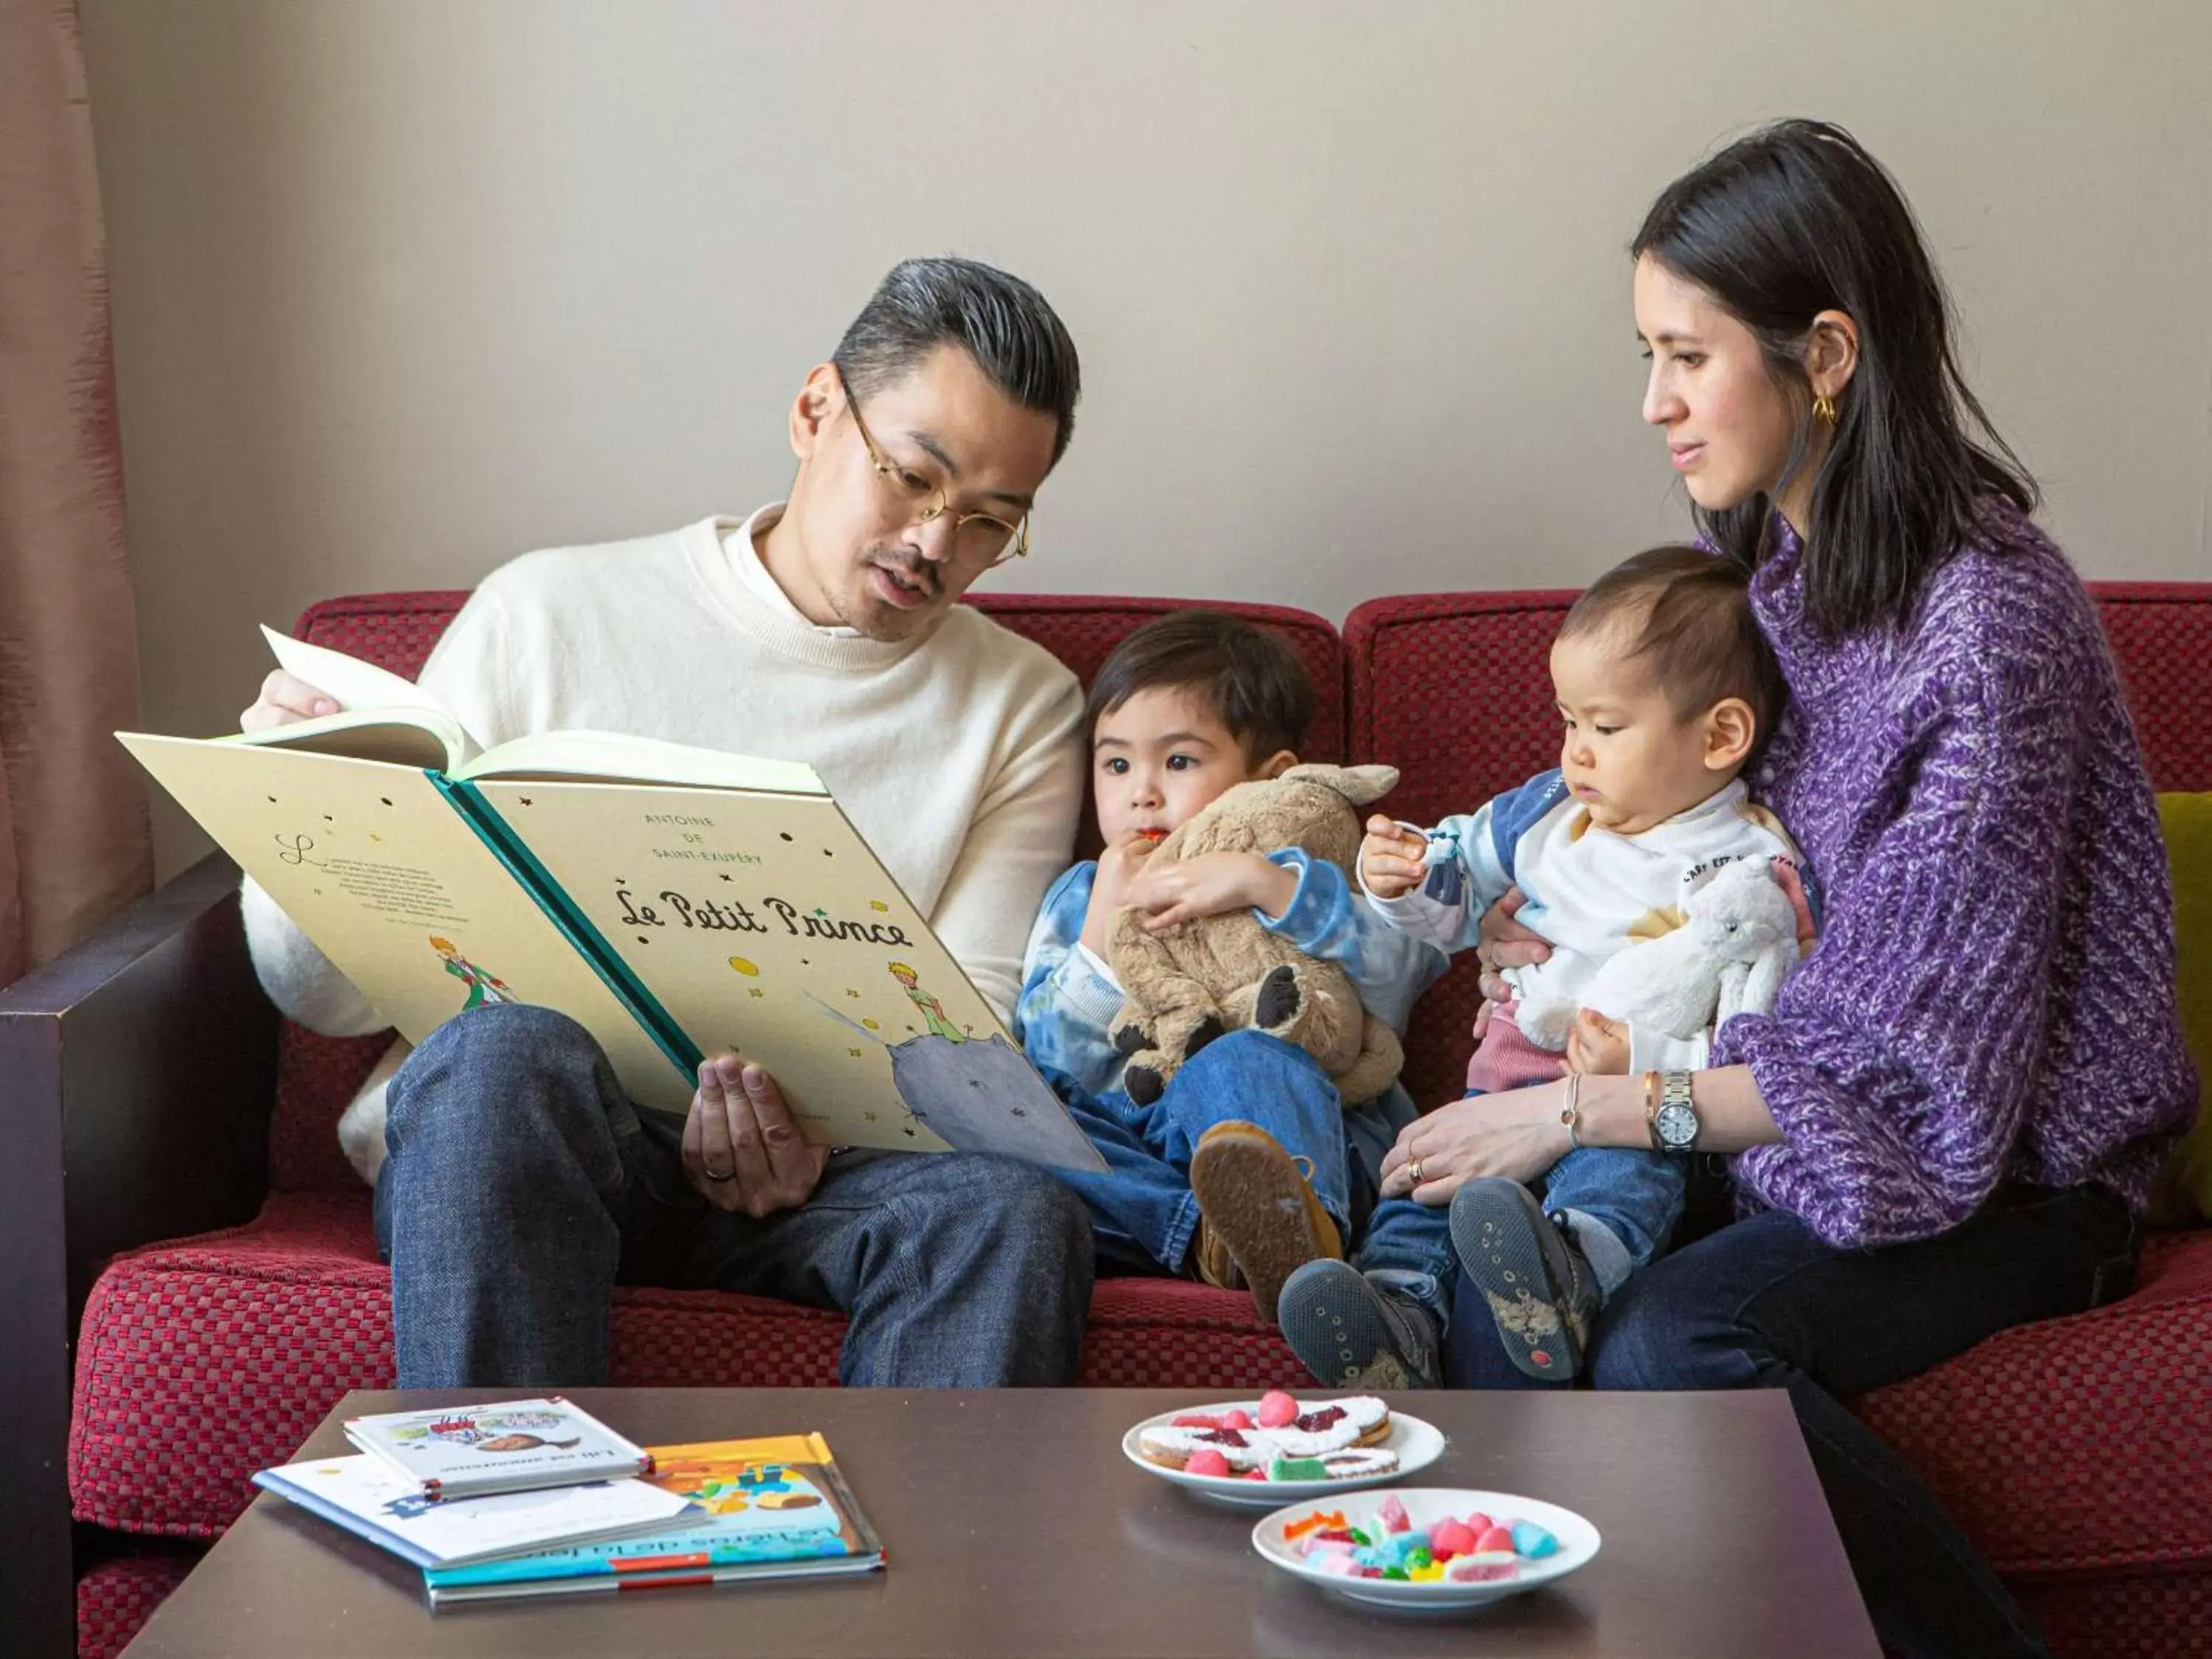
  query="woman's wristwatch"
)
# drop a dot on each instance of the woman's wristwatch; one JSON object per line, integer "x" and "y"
{"x": 1668, "y": 1112}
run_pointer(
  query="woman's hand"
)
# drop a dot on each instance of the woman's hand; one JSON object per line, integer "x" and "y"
{"x": 1505, "y": 944}
{"x": 1517, "y": 1135}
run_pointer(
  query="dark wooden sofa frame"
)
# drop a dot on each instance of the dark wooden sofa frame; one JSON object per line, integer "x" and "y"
{"x": 137, "y": 1073}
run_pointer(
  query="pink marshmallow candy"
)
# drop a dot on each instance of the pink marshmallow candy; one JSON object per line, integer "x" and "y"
{"x": 1489, "y": 1567}
{"x": 1450, "y": 1538}
{"x": 1277, "y": 1410}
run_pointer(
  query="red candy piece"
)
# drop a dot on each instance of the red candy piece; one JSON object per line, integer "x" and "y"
{"x": 1255, "y": 1474}
{"x": 1392, "y": 1513}
{"x": 1449, "y": 1538}
{"x": 1201, "y": 1420}
{"x": 1236, "y": 1419}
{"x": 1479, "y": 1523}
{"x": 1206, "y": 1462}
{"x": 1277, "y": 1410}
{"x": 1495, "y": 1540}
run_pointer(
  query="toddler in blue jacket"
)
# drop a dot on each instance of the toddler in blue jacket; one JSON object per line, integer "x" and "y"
{"x": 1248, "y": 1169}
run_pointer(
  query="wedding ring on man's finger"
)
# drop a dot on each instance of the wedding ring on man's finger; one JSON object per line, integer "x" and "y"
{"x": 1413, "y": 1171}
{"x": 713, "y": 1176}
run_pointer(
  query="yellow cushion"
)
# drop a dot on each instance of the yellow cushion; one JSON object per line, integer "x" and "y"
{"x": 2184, "y": 1189}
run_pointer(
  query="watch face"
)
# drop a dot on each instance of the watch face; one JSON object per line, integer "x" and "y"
{"x": 1677, "y": 1125}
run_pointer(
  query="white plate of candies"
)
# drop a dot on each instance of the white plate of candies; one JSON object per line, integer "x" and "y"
{"x": 1258, "y": 1453}
{"x": 1427, "y": 1547}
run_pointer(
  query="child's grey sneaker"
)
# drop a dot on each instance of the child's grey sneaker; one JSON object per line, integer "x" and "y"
{"x": 1351, "y": 1333}
{"x": 1530, "y": 1271}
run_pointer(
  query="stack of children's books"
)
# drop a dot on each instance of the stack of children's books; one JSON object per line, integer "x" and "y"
{"x": 537, "y": 1497}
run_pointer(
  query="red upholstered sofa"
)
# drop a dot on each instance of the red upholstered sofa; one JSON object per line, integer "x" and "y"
{"x": 160, "y": 1096}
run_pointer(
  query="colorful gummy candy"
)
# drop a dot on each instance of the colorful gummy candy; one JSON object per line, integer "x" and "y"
{"x": 1477, "y": 1550}
{"x": 1533, "y": 1541}
{"x": 1316, "y": 1522}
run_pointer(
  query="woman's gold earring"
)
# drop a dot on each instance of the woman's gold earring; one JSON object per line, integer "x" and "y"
{"x": 1824, "y": 410}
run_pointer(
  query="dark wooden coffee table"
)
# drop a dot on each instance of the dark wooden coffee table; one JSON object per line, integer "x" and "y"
{"x": 1014, "y": 1525}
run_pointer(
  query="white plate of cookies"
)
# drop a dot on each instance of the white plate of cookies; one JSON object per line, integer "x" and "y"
{"x": 1281, "y": 1448}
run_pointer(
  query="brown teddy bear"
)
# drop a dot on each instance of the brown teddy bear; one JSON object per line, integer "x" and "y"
{"x": 1187, "y": 985}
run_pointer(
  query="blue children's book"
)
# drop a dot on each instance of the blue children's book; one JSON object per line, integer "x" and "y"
{"x": 775, "y": 1508}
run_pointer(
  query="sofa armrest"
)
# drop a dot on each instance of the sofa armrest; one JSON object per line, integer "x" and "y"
{"x": 136, "y": 1074}
{"x": 140, "y": 1068}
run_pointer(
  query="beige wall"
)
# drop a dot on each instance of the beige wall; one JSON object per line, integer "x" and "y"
{"x": 404, "y": 287}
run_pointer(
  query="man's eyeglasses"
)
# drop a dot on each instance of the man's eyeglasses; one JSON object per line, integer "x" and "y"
{"x": 980, "y": 539}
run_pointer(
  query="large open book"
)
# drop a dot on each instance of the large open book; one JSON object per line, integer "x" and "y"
{"x": 675, "y": 901}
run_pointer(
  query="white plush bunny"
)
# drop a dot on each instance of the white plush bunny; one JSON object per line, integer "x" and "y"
{"x": 1730, "y": 958}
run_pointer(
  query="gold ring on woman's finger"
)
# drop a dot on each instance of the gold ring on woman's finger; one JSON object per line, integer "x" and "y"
{"x": 713, "y": 1175}
{"x": 1413, "y": 1171}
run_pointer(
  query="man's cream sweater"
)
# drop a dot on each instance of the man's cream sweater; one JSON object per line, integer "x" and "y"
{"x": 957, "y": 755}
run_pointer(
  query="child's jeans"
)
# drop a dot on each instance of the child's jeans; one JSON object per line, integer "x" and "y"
{"x": 1142, "y": 1206}
{"x": 1621, "y": 1203}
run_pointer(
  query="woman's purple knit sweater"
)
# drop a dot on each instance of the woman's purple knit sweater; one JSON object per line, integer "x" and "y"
{"x": 1992, "y": 996}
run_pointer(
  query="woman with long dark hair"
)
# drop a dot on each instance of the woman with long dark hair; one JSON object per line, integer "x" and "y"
{"x": 1951, "y": 1119}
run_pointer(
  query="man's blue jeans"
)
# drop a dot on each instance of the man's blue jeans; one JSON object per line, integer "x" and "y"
{"x": 1763, "y": 1303}
{"x": 1143, "y": 1206}
{"x": 522, "y": 1186}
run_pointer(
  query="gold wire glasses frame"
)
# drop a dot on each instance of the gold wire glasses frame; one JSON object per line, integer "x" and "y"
{"x": 913, "y": 486}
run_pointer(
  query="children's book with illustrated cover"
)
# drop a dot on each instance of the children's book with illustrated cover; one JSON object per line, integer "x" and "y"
{"x": 675, "y": 901}
{"x": 369, "y": 1498}
{"x": 511, "y": 1446}
{"x": 774, "y": 1508}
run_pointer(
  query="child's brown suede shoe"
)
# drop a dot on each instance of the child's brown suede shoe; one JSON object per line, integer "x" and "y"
{"x": 1258, "y": 1221}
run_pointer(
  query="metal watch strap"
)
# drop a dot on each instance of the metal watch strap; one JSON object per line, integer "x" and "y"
{"x": 1675, "y": 1103}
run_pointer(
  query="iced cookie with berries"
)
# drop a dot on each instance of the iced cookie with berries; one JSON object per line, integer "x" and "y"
{"x": 1280, "y": 1438}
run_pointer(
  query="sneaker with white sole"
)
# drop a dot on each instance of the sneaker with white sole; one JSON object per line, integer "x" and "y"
{"x": 1353, "y": 1334}
{"x": 1531, "y": 1272}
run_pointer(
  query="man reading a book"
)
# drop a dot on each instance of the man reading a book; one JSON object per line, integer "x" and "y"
{"x": 515, "y": 1184}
